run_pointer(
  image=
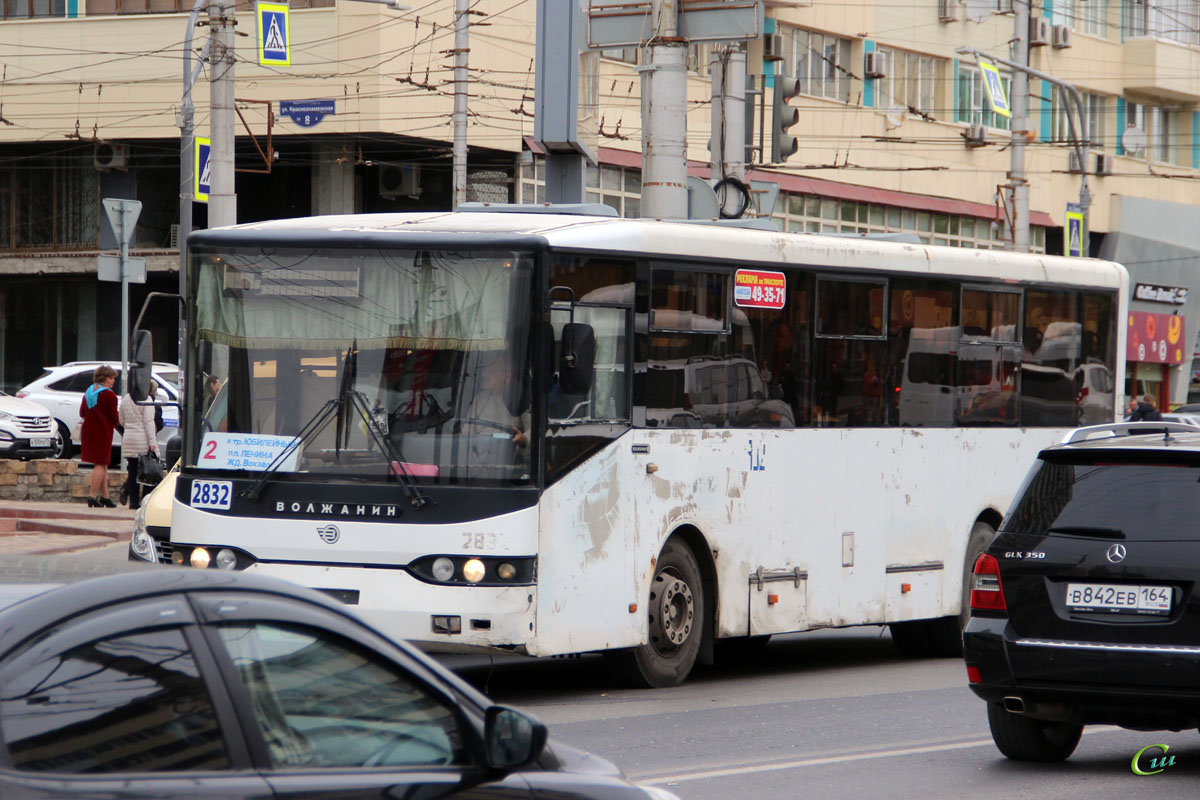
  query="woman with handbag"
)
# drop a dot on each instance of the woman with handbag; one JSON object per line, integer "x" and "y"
{"x": 98, "y": 408}
{"x": 138, "y": 440}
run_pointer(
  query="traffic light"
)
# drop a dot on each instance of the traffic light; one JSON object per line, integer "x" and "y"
{"x": 783, "y": 143}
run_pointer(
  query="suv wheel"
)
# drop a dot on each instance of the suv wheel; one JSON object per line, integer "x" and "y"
{"x": 63, "y": 447}
{"x": 1022, "y": 738}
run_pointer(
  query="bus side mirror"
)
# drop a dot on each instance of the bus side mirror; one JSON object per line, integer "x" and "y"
{"x": 578, "y": 358}
{"x": 141, "y": 358}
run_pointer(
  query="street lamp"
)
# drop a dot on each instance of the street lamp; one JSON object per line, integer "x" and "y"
{"x": 1079, "y": 137}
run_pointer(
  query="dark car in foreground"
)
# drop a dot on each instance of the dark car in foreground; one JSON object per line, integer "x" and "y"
{"x": 166, "y": 683}
{"x": 1084, "y": 608}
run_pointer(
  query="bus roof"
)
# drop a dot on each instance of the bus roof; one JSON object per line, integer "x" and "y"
{"x": 664, "y": 239}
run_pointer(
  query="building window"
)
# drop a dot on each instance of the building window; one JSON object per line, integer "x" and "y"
{"x": 1095, "y": 108}
{"x": 26, "y": 9}
{"x": 617, "y": 187}
{"x": 1083, "y": 16}
{"x": 812, "y": 214}
{"x": 629, "y": 55}
{"x": 1174, "y": 20}
{"x": 911, "y": 81}
{"x": 972, "y": 102}
{"x": 1163, "y": 128}
{"x": 820, "y": 62}
{"x": 49, "y": 204}
{"x": 110, "y": 7}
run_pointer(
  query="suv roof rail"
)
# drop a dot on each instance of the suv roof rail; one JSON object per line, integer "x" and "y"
{"x": 1128, "y": 429}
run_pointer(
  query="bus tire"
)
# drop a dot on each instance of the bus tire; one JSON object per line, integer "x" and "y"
{"x": 981, "y": 536}
{"x": 676, "y": 622}
{"x": 1022, "y": 738}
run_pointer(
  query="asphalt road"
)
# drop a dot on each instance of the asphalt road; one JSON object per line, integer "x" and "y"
{"x": 833, "y": 714}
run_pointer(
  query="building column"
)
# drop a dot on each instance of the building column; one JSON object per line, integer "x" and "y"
{"x": 333, "y": 180}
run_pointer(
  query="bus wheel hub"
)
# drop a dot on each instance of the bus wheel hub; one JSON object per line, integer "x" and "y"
{"x": 675, "y": 610}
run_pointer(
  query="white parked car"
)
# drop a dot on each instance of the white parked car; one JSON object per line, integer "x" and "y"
{"x": 27, "y": 429}
{"x": 60, "y": 389}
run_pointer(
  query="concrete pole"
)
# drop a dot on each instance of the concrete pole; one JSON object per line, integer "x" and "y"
{"x": 222, "y": 200}
{"x": 461, "y": 51}
{"x": 664, "y": 117}
{"x": 727, "y": 144}
{"x": 1018, "y": 185}
{"x": 716, "y": 125}
{"x": 124, "y": 387}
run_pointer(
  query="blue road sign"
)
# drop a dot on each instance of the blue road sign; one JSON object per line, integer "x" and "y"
{"x": 307, "y": 113}
{"x": 1074, "y": 230}
{"x": 202, "y": 174}
{"x": 273, "y": 35}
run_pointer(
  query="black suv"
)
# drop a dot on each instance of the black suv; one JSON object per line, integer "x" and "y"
{"x": 1084, "y": 607}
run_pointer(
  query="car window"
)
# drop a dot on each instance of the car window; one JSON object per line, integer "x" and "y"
{"x": 1130, "y": 502}
{"x": 79, "y": 382}
{"x": 323, "y": 701}
{"x": 129, "y": 703}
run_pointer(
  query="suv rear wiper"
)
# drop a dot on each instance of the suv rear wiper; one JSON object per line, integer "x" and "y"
{"x": 1089, "y": 530}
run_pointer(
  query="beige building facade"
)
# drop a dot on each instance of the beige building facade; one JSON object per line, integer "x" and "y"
{"x": 894, "y": 134}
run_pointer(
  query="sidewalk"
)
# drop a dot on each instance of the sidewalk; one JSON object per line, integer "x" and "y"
{"x": 33, "y": 527}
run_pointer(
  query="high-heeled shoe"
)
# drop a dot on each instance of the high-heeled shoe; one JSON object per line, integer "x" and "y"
{"x": 105, "y": 502}
{"x": 92, "y": 502}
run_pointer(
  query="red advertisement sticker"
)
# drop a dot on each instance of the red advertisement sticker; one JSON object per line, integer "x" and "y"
{"x": 753, "y": 288}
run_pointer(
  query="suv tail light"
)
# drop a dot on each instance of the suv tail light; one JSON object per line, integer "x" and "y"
{"x": 22, "y": 393}
{"x": 987, "y": 593}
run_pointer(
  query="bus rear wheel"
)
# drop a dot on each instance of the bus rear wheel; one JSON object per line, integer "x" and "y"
{"x": 676, "y": 622}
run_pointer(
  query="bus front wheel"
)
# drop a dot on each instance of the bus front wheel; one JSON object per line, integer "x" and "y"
{"x": 676, "y": 622}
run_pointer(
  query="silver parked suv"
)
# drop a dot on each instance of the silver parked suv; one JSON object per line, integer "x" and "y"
{"x": 60, "y": 390}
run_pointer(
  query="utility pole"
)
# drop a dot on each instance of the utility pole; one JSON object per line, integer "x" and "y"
{"x": 664, "y": 116}
{"x": 222, "y": 199}
{"x": 727, "y": 147}
{"x": 461, "y": 51}
{"x": 1018, "y": 185}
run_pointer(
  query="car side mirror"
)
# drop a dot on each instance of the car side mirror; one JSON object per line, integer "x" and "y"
{"x": 511, "y": 739}
{"x": 578, "y": 358}
{"x": 174, "y": 450}
{"x": 141, "y": 359}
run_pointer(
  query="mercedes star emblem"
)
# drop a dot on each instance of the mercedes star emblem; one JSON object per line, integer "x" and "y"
{"x": 1116, "y": 553}
{"x": 330, "y": 534}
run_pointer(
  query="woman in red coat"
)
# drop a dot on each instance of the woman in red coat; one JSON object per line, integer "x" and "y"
{"x": 98, "y": 408}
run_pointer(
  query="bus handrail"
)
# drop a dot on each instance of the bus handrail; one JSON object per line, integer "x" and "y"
{"x": 1128, "y": 429}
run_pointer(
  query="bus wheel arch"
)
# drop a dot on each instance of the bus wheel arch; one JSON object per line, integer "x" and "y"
{"x": 679, "y": 614}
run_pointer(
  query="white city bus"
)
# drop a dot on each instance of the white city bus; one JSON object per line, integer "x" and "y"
{"x": 552, "y": 433}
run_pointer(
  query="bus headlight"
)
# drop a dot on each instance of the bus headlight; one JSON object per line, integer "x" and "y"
{"x": 473, "y": 570}
{"x": 200, "y": 558}
{"x": 506, "y": 571}
{"x": 226, "y": 559}
{"x": 443, "y": 569}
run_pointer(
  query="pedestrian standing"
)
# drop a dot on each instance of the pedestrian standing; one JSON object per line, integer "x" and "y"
{"x": 1146, "y": 411}
{"x": 98, "y": 408}
{"x": 139, "y": 438}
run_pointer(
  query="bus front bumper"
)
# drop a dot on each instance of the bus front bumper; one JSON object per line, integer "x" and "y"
{"x": 456, "y": 618}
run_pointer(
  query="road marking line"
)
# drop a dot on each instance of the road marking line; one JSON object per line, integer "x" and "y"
{"x": 825, "y": 760}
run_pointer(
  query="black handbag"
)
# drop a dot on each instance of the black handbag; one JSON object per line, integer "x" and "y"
{"x": 149, "y": 469}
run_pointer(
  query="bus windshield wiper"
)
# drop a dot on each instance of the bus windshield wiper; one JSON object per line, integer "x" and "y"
{"x": 1089, "y": 530}
{"x": 339, "y": 410}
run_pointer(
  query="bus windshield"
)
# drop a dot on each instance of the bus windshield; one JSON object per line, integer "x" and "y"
{"x": 328, "y": 364}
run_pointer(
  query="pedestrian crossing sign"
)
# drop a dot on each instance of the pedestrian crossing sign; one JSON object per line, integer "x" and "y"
{"x": 202, "y": 172}
{"x": 993, "y": 86}
{"x": 274, "y": 38}
{"x": 1074, "y": 245}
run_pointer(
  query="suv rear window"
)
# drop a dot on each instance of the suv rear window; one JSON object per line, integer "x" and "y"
{"x": 1125, "y": 501}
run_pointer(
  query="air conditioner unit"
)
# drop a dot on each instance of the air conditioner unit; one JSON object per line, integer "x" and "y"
{"x": 875, "y": 64}
{"x": 1104, "y": 164}
{"x": 1060, "y": 36}
{"x": 975, "y": 135}
{"x": 773, "y": 47}
{"x": 400, "y": 180}
{"x": 947, "y": 10}
{"x": 1073, "y": 165}
{"x": 110, "y": 155}
{"x": 1039, "y": 31}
